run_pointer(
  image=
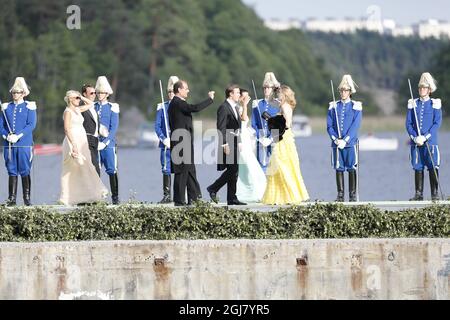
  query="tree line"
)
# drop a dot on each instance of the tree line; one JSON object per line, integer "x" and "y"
{"x": 383, "y": 62}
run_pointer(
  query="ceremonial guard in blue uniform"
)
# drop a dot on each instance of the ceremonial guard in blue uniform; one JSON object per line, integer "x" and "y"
{"x": 163, "y": 132}
{"x": 108, "y": 114}
{"x": 343, "y": 122}
{"x": 270, "y": 105}
{"x": 17, "y": 123}
{"x": 429, "y": 118}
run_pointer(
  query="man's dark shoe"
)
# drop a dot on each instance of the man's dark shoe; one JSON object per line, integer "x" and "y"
{"x": 179, "y": 204}
{"x": 236, "y": 202}
{"x": 213, "y": 195}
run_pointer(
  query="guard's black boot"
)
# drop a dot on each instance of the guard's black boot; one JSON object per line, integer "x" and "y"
{"x": 114, "y": 183}
{"x": 12, "y": 189}
{"x": 352, "y": 185}
{"x": 26, "y": 187}
{"x": 340, "y": 186}
{"x": 418, "y": 179}
{"x": 434, "y": 185}
{"x": 166, "y": 189}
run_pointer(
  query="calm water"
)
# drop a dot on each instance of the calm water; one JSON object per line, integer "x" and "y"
{"x": 383, "y": 175}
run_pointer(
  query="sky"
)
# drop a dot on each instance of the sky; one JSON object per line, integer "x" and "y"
{"x": 404, "y": 12}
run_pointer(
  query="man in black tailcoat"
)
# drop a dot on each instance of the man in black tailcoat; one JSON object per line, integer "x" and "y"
{"x": 182, "y": 144}
{"x": 90, "y": 124}
{"x": 228, "y": 127}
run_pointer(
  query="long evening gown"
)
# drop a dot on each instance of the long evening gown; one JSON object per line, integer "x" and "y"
{"x": 285, "y": 183}
{"x": 80, "y": 182}
{"x": 251, "y": 179}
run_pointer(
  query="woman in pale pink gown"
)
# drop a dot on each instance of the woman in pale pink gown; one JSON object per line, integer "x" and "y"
{"x": 80, "y": 183}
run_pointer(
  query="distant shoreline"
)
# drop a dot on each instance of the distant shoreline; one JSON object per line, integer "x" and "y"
{"x": 372, "y": 123}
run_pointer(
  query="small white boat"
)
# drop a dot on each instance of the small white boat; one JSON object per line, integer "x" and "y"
{"x": 372, "y": 143}
{"x": 301, "y": 126}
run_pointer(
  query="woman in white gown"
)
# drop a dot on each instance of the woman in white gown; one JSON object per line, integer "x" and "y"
{"x": 251, "y": 179}
{"x": 80, "y": 183}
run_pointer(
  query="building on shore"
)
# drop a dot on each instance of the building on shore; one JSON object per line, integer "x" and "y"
{"x": 425, "y": 29}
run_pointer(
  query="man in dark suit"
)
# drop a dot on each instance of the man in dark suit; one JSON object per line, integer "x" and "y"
{"x": 91, "y": 125}
{"x": 182, "y": 144}
{"x": 228, "y": 127}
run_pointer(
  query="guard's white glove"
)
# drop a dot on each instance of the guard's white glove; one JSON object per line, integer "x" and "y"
{"x": 13, "y": 138}
{"x": 101, "y": 146}
{"x": 8, "y": 138}
{"x": 103, "y": 131}
{"x": 336, "y": 141}
{"x": 266, "y": 141}
{"x": 342, "y": 144}
{"x": 420, "y": 140}
{"x": 166, "y": 142}
{"x": 226, "y": 149}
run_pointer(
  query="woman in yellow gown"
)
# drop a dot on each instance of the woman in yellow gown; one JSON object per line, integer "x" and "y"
{"x": 284, "y": 180}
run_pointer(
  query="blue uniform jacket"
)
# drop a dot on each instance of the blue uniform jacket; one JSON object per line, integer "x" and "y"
{"x": 109, "y": 117}
{"x": 162, "y": 122}
{"x": 429, "y": 116}
{"x": 349, "y": 115}
{"x": 22, "y": 120}
{"x": 258, "y": 123}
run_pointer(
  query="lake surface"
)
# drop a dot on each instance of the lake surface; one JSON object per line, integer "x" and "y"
{"x": 384, "y": 175}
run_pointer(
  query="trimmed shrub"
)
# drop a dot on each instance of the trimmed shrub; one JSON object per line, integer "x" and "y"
{"x": 203, "y": 221}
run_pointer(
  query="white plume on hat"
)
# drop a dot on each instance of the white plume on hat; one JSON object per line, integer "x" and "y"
{"x": 171, "y": 82}
{"x": 427, "y": 81}
{"x": 20, "y": 85}
{"x": 270, "y": 80}
{"x": 348, "y": 83}
{"x": 102, "y": 85}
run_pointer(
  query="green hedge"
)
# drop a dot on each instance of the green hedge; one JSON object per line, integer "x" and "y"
{"x": 140, "y": 222}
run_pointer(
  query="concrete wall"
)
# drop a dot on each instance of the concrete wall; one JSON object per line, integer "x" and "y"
{"x": 241, "y": 269}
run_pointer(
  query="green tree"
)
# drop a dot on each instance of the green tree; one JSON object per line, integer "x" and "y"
{"x": 442, "y": 75}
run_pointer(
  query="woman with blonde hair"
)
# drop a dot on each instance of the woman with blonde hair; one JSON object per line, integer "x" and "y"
{"x": 80, "y": 183}
{"x": 284, "y": 180}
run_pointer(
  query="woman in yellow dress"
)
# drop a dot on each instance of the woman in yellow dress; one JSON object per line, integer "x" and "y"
{"x": 284, "y": 180}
